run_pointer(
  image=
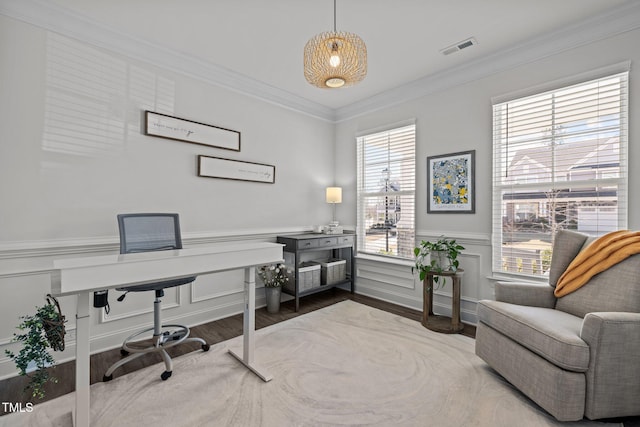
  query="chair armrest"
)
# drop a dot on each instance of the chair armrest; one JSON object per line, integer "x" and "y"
{"x": 531, "y": 294}
{"x": 614, "y": 364}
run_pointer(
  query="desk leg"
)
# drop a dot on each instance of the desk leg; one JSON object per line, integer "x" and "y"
{"x": 249, "y": 323}
{"x": 83, "y": 404}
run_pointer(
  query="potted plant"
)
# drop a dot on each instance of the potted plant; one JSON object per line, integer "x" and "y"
{"x": 42, "y": 330}
{"x": 443, "y": 257}
{"x": 273, "y": 276}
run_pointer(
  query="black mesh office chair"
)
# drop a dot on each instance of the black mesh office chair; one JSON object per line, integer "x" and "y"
{"x": 144, "y": 232}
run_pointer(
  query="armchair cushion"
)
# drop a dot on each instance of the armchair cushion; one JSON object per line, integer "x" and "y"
{"x": 551, "y": 334}
{"x": 612, "y": 290}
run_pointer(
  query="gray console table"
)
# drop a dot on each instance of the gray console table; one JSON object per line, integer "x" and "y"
{"x": 340, "y": 245}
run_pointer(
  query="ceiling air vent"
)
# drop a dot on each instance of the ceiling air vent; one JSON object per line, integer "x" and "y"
{"x": 459, "y": 46}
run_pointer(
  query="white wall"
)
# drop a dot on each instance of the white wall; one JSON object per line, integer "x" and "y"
{"x": 72, "y": 156}
{"x": 459, "y": 118}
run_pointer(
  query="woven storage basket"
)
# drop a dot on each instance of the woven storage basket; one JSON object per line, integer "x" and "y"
{"x": 333, "y": 271}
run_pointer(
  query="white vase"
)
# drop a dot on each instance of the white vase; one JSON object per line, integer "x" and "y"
{"x": 273, "y": 298}
{"x": 442, "y": 260}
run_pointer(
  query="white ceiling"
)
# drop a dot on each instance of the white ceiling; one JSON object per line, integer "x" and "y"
{"x": 264, "y": 39}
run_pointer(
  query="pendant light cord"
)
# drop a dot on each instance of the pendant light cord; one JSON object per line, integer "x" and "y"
{"x": 334, "y": 16}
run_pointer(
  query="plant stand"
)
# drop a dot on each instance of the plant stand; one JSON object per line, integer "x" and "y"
{"x": 444, "y": 324}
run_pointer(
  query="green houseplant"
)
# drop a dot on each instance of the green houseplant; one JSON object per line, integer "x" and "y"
{"x": 42, "y": 330}
{"x": 274, "y": 277}
{"x": 443, "y": 257}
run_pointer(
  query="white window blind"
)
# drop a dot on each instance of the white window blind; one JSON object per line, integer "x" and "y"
{"x": 386, "y": 192}
{"x": 560, "y": 162}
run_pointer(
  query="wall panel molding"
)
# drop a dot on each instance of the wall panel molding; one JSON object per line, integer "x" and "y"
{"x": 482, "y": 239}
{"x": 145, "y": 309}
{"x": 35, "y": 257}
{"x": 386, "y": 273}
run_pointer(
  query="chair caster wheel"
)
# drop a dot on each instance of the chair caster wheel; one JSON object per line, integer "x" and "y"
{"x": 107, "y": 378}
{"x": 165, "y": 375}
{"x": 205, "y": 347}
{"x": 124, "y": 352}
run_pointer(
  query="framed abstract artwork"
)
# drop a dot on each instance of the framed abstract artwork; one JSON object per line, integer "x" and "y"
{"x": 451, "y": 183}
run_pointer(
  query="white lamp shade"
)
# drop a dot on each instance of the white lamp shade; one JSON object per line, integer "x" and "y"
{"x": 334, "y": 195}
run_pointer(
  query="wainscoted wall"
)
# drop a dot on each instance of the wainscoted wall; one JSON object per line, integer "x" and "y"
{"x": 393, "y": 281}
{"x": 25, "y": 278}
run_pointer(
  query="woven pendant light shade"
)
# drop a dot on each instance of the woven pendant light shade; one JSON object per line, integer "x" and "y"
{"x": 335, "y": 59}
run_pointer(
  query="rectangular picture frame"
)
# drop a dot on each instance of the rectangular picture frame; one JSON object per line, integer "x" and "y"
{"x": 169, "y": 127}
{"x": 451, "y": 183}
{"x": 238, "y": 170}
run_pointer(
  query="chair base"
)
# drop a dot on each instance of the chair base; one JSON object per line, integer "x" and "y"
{"x": 169, "y": 336}
{"x": 564, "y": 399}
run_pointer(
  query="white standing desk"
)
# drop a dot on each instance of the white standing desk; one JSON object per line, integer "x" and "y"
{"x": 82, "y": 276}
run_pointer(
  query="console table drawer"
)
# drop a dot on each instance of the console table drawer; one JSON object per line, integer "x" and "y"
{"x": 327, "y": 242}
{"x": 345, "y": 240}
{"x": 307, "y": 244}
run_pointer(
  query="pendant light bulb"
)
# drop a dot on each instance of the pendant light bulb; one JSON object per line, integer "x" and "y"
{"x": 334, "y": 61}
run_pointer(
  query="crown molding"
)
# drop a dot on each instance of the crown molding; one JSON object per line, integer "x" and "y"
{"x": 63, "y": 21}
{"x": 617, "y": 21}
{"x": 54, "y": 18}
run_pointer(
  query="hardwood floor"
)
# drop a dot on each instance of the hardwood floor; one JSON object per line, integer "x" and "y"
{"x": 11, "y": 390}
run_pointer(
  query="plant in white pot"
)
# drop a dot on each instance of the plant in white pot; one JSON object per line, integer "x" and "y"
{"x": 442, "y": 257}
{"x": 274, "y": 277}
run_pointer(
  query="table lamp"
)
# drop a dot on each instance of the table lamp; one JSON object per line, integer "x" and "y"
{"x": 334, "y": 196}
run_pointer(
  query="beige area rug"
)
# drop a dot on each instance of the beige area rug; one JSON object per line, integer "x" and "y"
{"x": 344, "y": 365}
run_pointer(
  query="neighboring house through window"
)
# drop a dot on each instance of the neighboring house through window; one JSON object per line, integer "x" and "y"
{"x": 560, "y": 162}
{"x": 386, "y": 192}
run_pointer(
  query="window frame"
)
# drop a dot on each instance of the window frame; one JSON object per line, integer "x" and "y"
{"x": 501, "y": 163}
{"x": 405, "y": 230}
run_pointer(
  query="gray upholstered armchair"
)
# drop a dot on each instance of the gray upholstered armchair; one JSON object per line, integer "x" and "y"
{"x": 578, "y": 355}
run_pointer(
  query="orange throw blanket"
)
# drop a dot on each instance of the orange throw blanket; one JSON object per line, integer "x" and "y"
{"x": 601, "y": 254}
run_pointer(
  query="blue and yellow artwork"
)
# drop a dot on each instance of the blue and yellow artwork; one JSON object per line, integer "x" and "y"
{"x": 451, "y": 181}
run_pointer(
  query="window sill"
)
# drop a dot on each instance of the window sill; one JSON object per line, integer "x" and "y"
{"x": 505, "y": 277}
{"x": 385, "y": 260}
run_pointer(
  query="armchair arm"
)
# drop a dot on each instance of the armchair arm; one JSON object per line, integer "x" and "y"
{"x": 532, "y": 294}
{"x": 613, "y": 378}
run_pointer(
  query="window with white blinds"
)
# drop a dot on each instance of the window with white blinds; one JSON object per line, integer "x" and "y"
{"x": 386, "y": 192}
{"x": 560, "y": 162}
